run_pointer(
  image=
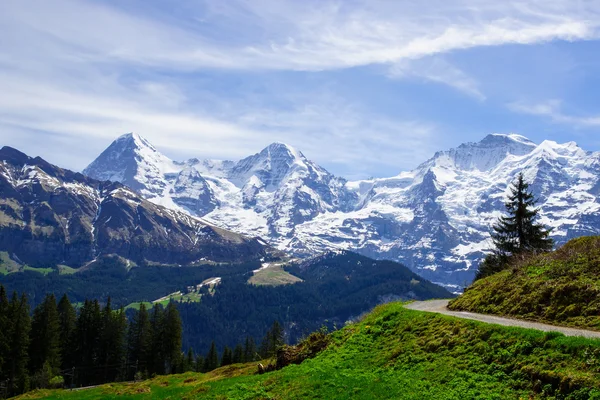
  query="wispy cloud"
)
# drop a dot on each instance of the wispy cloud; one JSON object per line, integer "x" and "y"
{"x": 552, "y": 109}
{"x": 78, "y": 69}
{"x": 438, "y": 70}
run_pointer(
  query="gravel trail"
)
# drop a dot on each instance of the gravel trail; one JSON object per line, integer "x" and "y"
{"x": 441, "y": 307}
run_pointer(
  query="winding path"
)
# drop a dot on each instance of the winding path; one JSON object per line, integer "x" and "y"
{"x": 441, "y": 307}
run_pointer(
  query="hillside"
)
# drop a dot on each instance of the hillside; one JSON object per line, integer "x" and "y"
{"x": 329, "y": 290}
{"x": 561, "y": 287}
{"x": 395, "y": 353}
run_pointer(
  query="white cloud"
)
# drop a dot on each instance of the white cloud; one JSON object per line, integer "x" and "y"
{"x": 553, "y": 110}
{"x": 438, "y": 70}
{"x": 79, "y": 68}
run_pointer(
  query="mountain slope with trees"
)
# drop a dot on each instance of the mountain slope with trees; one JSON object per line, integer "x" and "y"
{"x": 401, "y": 354}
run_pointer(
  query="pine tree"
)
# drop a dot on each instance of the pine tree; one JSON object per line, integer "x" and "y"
{"x": 227, "y": 357}
{"x": 272, "y": 341}
{"x": 517, "y": 233}
{"x": 172, "y": 337}
{"x": 68, "y": 323}
{"x": 238, "y": 354}
{"x": 249, "y": 350}
{"x": 139, "y": 339}
{"x": 156, "y": 359}
{"x": 199, "y": 366}
{"x": 18, "y": 343}
{"x": 190, "y": 361}
{"x": 211, "y": 361}
{"x": 45, "y": 341}
{"x": 4, "y": 332}
{"x": 112, "y": 342}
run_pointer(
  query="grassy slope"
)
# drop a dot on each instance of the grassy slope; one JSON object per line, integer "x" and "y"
{"x": 400, "y": 354}
{"x": 562, "y": 287}
{"x": 273, "y": 276}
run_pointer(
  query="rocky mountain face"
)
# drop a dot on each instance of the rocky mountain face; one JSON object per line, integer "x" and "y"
{"x": 51, "y": 216}
{"x": 435, "y": 219}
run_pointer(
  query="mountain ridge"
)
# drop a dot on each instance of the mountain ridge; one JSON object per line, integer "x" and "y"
{"x": 51, "y": 216}
{"x": 434, "y": 219}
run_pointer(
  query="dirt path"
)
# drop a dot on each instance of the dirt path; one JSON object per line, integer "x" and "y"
{"x": 440, "y": 306}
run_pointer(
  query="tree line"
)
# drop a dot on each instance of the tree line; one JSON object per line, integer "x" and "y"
{"x": 59, "y": 344}
{"x": 241, "y": 353}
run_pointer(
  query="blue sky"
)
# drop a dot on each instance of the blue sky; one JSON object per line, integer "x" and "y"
{"x": 364, "y": 88}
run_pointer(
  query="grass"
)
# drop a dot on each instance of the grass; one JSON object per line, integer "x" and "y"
{"x": 136, "y": 306}
{"x": 43, "y": 271}
{"x": 7, "y": 264}
{"x": 66, "y": 270}
{"x": 275, "y": 275}
{"x": 561, "y": 287}
{"x": 395, "y": 353}
{"x": 10, "y": 266}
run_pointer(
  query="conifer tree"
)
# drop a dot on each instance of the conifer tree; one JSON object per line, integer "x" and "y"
{"x": 272, "y": 341}
{"x": 517, "y": 233}
{"x": 156, "y": 361}
{"x": 227, "y": 357}
{"x": 211, "y": 361}
{"x": 249, "y": 350}
{"x": 4, "y": 332}
{"x": 199, "y": 366}
{"x": 139, "y": 339}
{"x": 68, "y": 323}
{"x": 112, "y": 341}
{"x": 45, "y": 341}
{"x": 238, "y": 354}
{"x": 171, "y": 337}
{"x": 190, "y": 361}
{"x": 18, "y": 343}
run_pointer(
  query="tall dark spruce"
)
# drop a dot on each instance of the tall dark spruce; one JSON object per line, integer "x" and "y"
{"x": 518, "y": 233}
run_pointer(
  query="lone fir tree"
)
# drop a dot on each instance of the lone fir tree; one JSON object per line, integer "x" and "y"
{"x": 517, "y": 233}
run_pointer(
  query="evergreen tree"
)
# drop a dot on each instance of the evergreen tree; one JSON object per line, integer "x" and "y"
{"x": 238, "y": 354}
{"x": 87, "y": 340}
{"x": 190, "y": 361}
{"x": 272, "y": 341}
{"x": 139, "y": 339}
{"x": 199, "y": 366}
{"x": 211, "y": 361}
{"x": 18, "y": 343}
{"x": 156, "y": 359}
{"x": 171, "y": 337}
{"x": 45, "y": 341}
{"x": 112, "y": 342}
{"x": 517, "y": 233}
{"x": 249, "y": 350}
{"x": 68, "y": 322}
{"x": 227, "y": 357}
{"x": 4, "y": 332}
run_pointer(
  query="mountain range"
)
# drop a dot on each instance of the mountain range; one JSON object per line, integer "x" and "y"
{"x": 435, "y": 219}
{"x": 50, "y": 216}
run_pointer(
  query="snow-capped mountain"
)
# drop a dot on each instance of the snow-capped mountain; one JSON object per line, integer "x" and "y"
{"x": 266, "y": 194}
{"x": 51, "y": 216}
{"x": 435, "y": 219}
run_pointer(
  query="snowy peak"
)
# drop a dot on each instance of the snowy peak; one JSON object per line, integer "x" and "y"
{"x": 484, "y": 155}
{"x": 135, "y": 162}
{"x": 268, "y": 168}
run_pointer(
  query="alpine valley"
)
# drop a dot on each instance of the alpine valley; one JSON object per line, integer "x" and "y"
{"x": 434, "y": 219}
